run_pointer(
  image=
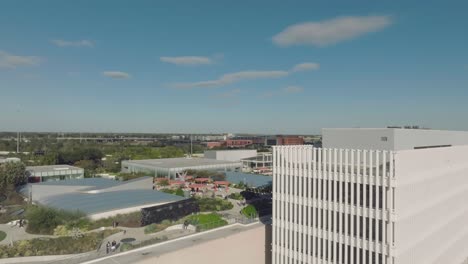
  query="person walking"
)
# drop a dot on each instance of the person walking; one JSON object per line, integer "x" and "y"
{"x": 108, "y": 246}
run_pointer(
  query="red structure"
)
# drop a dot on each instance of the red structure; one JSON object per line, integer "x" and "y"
{"x": 236, "y": 143}
{"x": 289, "y": 140}
{"x": 215, "y": 144}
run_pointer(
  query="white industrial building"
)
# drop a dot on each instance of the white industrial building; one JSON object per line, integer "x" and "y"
{"x": 54, "y": 173}
{"x": 230, "y": 155}
{"x": 367, "y": 207}
{"x": 391, "y": 138}
{"x": 171, "y": 167}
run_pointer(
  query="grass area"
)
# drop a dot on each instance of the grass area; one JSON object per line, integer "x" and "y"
{"x": 249, "y": 211}
{"x": 178, "y": 191}
{"x": 205, "y": 222}
{"x": 2, "y": 235}
{"x": 55, "y": 246}
{"x": 213, "y": 204}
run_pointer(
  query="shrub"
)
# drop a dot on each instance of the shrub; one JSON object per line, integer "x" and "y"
{"x": 43, "y": 220}
{"x": 236, "y": 196}
{"x": 213, "y": 204}
{"x": 249, "y": 211}
{"x": 126, "y": 220}
{"x": 154, "y": 228}
{"x": 178, "y": 191}
{"x": 2, "y": 235}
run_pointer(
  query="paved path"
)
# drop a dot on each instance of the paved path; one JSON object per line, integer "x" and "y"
{"x": 15, "y": 233}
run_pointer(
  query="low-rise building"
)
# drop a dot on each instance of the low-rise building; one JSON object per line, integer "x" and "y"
{"x": 54, "y": 173}
{"x": 230, "y": 155}
{"x": 172, "y": 167}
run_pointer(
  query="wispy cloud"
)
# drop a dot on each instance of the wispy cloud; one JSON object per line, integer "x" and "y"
{"x": 331, "y": 31}
{"x": 187, "y": 60}
{"x": 10, "y": 61}
{"x": 77, "y": 43}
{"x": 293, "y": 89}
{"x": 116, "y": 74}
{"x": 306, "y": 66}
{"x": 230, "y": 78}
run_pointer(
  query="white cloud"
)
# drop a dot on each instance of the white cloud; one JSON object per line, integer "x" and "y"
{"x": 77, "y": 43}
{"x": 293, "y": 89}
{"x": 331, "y": 31}
{"x": 187, "y": 60}
{"x": 10, "y": 61}
{"x": 230, "y": 78}
{"x": 306, "y": 66}
{"x": 234, "y": 77}
{"x": 116, "y": 74}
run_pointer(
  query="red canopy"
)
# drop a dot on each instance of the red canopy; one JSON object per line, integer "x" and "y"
{"x": 225, "y": 183}
{"x": 176, "y": 182}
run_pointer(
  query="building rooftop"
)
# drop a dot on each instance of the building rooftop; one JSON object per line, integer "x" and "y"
{"x": 51, "y": 168}
{"x": 181, "y": 162}
{"x": 97, "y": 195}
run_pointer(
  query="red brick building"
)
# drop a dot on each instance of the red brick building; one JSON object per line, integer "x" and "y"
{"x": 289, "y": 140}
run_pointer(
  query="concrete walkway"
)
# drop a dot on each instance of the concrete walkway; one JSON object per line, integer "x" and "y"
{"x": 16, "y": 233}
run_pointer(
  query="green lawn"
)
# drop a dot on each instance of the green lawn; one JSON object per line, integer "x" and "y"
{"x": 2, "y": 235}
{"x": 206, "y": 221}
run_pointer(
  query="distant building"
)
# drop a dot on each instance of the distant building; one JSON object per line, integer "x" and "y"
{"x": 230, "y": 155}
{"x": 54, "y": 173}
{"x": 289, "y": 140}
{"x": 5, "y": 160}
{"x": 262, "y": 163}
{"x": 238, "y": 143}
{"x": 172, "y": 167}
{"x": 284, "y": 140}
{"x": 391, "y": 138}
{"x": 212, "y": 144}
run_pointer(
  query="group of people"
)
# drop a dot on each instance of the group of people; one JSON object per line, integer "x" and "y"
{"x": 111, "y": 246}
{"x": 20, "y": 223}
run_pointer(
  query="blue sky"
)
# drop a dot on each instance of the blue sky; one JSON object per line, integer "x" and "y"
{"x": 232, "y": 66}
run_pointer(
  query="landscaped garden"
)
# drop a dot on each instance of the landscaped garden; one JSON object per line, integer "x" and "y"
{"x": 56, "y": 246}
{"x": 206, "y": 221}
{"x": 213, "y": 204}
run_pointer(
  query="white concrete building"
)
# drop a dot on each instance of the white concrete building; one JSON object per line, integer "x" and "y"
{"x": 54, "y": 173}
{"x": 366, "y": 207}
{"x": 391, "y": 138}
{"x": 171, "y": 167}
{"x": 230, "y": 155}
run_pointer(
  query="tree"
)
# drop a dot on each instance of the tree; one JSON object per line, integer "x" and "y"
{"x": 89, "y": 167}
{"x": 12, "y": 174}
